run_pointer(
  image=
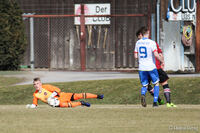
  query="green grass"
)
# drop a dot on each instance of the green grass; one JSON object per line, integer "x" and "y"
{"x": 9, "y": 81}
{"x": 100, "y": 119}
{"x": 13, "y": 72}
{"x": 118, "y": 91}
{"x": 120, "y": 110}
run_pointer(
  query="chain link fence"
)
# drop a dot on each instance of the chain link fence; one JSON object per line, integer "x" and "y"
{"x": 108, "y": 47}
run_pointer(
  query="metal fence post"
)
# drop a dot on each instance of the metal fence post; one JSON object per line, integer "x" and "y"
{"x": 32, "y": 43}
{"x": 158, "y": 21}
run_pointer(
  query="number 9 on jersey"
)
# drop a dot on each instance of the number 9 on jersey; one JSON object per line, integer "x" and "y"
{"x": 143, "y": 52}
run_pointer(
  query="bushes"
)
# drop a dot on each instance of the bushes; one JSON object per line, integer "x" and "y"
{"x": 12, "y": 36}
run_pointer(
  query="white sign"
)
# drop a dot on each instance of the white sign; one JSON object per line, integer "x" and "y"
{"x": 182, "y": 16}
{"x": 183, "y": 12}
{"x": 93, "y": 9}
{"x": 191, "y": 4}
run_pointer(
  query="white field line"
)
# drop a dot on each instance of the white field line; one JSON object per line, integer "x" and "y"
{"x": 108, "y": 106}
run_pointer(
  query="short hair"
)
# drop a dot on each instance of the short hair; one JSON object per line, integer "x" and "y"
{"x": 138, "y": 33}
{"x": 143, "y": 30}
{"x": 36, "y": 79}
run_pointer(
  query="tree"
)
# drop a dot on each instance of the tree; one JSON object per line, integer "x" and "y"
{"x": 12, "y": 35}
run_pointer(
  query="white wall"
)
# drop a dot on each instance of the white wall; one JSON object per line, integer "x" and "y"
{"x": 171, "y": 45}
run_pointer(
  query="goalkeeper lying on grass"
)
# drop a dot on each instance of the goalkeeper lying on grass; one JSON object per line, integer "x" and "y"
{"x": 54, "y": 97}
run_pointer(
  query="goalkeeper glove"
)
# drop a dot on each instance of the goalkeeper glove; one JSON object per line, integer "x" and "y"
{"x": 54, "y": 102}
{"x": 54, "y": 94}
{"x": 32, "y": 106}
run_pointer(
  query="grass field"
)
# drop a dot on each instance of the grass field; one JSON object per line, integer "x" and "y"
{"x": 119, "y": 112}
{"x": 117, "y": 91}
{"x": 100, "y": 119}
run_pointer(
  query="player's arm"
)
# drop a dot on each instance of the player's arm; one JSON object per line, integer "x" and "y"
{"x": 34, "y": 104}
{"x": 55, "y": 90}
{"x": 136, "y": 55}
{"x": 136, "y": 52}
{"x": 162, "y": 63}
{"x": 155, "y": 47}
{"x": 158, "y": 48}
{"x": 161, "y": 59}
{"x": 161, "y": 55}
{"x": 35, "y": 100}
{"x": 52, "y": 88}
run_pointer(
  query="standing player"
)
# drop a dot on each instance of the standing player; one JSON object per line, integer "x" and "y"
{"x": 55, "y": 98}
{"x": 145, "y": 50}
{"x": 162, "y": 75}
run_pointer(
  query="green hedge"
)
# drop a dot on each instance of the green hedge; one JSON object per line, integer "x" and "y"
{"x": 12, "y": 35}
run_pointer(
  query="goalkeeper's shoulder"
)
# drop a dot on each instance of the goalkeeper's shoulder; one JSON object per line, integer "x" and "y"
{"x": 51, "y": 88}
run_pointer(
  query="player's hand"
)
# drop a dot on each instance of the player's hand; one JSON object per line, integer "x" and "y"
{"x": 162, "y": 66}
{"x": 31, "y": 106}
{"x": 52, "y": 101}
{"x": 49, "y": 99}
{"x": 54, "y": 94}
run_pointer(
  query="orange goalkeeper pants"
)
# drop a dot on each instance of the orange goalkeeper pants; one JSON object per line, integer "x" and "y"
{"x": 67, "y": 98}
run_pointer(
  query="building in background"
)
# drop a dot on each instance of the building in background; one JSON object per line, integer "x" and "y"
{"x": 177, "y": 34}
{"x": 62, "y": 40}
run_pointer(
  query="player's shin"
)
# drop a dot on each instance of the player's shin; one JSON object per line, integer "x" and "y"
{"x": 70, "y": 104}
{"x": 167, "y": 93}
{"x": 156, "y": 93}
{"x": 84, "y": 96}
{"x": 143, "y": 90}
{"x": 150, "y": 89}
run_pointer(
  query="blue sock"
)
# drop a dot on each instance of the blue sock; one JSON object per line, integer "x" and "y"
{"x": 143, "y": 90}
{"x": 156, "y": 93}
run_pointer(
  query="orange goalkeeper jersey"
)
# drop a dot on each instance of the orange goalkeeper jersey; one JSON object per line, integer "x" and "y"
{"x": 43, "y": 94}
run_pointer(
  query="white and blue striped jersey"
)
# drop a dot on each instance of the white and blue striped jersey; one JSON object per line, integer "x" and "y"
{"x": 145, "y": 48}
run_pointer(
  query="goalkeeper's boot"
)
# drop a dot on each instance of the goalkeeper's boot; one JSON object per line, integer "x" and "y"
{"x": 85, "y": 104}
{"x": 161, "y": 102}
{"x": 100, "y": 96}
{"x": 155, "y": 105}
{"x": 143, "y": 101}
